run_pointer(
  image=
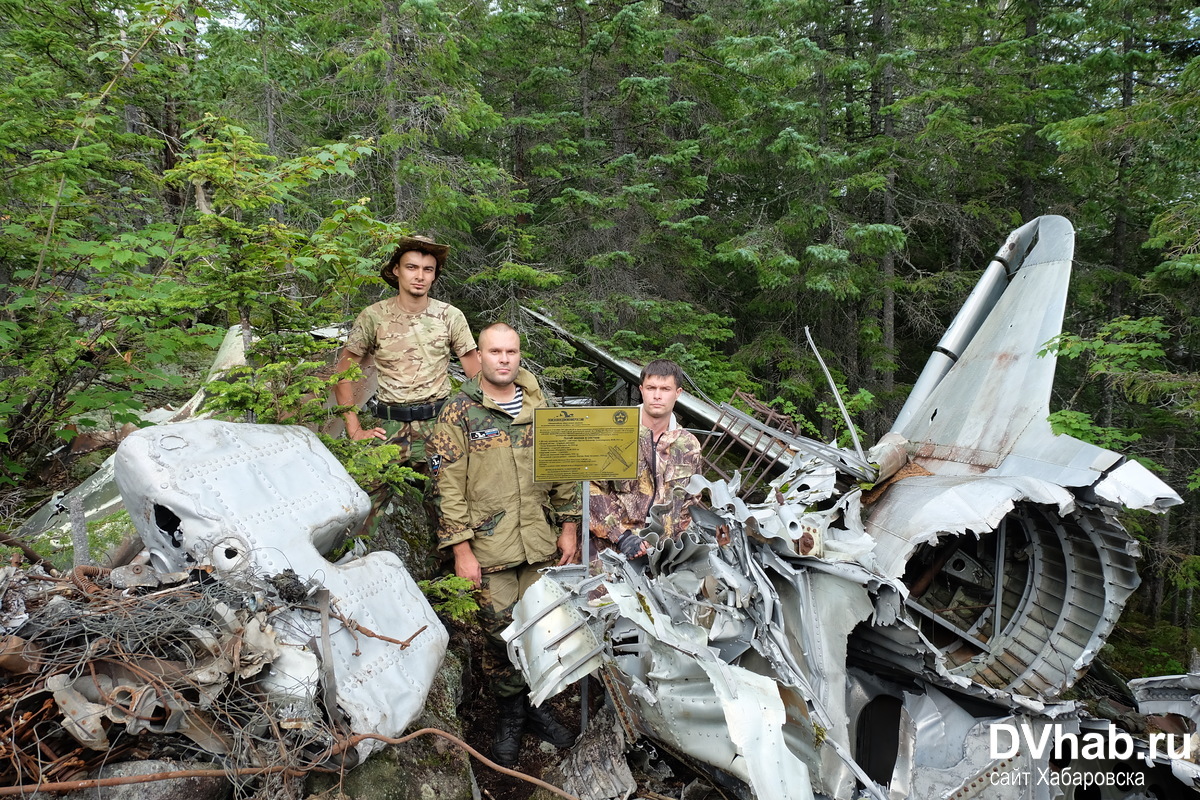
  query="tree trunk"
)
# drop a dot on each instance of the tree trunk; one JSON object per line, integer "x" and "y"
{"x": 851, "y": 45}
{"x": 1156, "y": 577}
{"x": 886, "y": 88}
{"x": 1028, "y": 198}
{"x": 270, "y": 103}
{"x": 1190, "y": 592}
{"x": 402, "y": 193}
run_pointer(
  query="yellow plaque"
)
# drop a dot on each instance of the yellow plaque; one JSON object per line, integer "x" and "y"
{"x": 585, "y": 443}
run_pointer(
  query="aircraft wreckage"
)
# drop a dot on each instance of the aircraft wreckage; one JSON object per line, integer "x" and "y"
{"x": 235, "y": 637}
{"x": 914, "y": 640}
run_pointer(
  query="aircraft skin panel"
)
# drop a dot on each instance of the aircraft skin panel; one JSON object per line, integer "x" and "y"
{"x": 976, "y": 414}
{"x": 249, "y": 500}
{"x": 923, "y": 508}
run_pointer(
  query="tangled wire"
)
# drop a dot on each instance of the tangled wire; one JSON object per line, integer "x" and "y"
{"x": 93, "y": 674}
{"x": 98, "y": 674}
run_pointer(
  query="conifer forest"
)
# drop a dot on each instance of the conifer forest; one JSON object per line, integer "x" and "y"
{"x": 700, "y": 179}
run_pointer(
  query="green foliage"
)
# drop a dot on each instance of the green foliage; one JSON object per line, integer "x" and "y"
{"x": 286, "y": 386}
{"x": 1141, "y": 647}
{"x": 678, "y": 331}
{"x": 55, "y": 545}
{"x": 1186, "y": 574}
{"x": 1127, "y": 354}
{"x": 452, "y": 597}
{"x": 241, "y": 256}
{"x": 1121, "y": 345}
{"x": 513, "y": 275}
{"x": 371, "y": 465}
{"x": 91, "y": 357}
{"x": 1159, "y": 662}
{"x": 828, "y": 412}
{"x": 857, "y": 404}
{"x": 1081, "y": 425}
{"x": 104, "y": 535}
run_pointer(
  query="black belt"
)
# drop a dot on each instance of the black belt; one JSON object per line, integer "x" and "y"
{"x": 413, "y": 413}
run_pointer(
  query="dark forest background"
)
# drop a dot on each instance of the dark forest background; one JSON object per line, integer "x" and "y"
{"x": 696, "y": 178}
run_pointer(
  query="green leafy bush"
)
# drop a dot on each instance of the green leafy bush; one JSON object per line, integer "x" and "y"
{"x": 452, "y": 597}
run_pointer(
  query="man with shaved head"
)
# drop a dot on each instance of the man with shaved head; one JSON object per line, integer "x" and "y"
{"x": 501, "y": 525}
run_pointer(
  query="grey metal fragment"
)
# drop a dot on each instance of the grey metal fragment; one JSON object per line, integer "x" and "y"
{"x": 251, "y": 501}
{"x": 596, "y": 768}
{"x": 132, "y": 576}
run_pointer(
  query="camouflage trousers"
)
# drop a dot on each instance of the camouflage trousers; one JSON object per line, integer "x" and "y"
{"x": 411, "y": 437}
{"x": 500, "y": 592}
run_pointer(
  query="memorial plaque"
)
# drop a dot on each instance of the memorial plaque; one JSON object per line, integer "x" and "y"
{"x": 585, "y": 443}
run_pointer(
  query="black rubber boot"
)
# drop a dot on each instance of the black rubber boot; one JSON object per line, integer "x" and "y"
{"x": 542, "y": 724}
{"x": 510, "y": 722}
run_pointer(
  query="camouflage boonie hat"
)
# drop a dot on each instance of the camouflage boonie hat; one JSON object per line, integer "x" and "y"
{"x": 422, "y": 244}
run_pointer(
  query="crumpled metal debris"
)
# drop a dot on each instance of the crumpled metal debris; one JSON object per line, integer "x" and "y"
{"x": 827, "y": 641}
{"x": 259, "y": 500}
{"x": 13, "y": 613}
{"x": 97, "y": 668}
{"x": 238, "y": 640}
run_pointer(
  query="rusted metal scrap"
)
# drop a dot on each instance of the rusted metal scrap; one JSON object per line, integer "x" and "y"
{"x": 103, "y": 673}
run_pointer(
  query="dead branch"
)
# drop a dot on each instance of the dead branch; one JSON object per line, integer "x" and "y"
{"x": 24, "y": 547}
{"x": 341, "y": 746}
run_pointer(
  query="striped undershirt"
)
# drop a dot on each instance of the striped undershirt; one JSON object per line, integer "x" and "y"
{"x": 512, "y": 407}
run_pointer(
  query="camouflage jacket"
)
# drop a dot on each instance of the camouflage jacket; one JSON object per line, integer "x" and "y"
{"x": 482, "y": 462}
{"x": 412, "y": 351}
{"x": 664, "y": 468}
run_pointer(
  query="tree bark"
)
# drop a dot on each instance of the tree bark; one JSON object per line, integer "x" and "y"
{"x": 1028, "y": 198}
{"x": 1156, "y": 577}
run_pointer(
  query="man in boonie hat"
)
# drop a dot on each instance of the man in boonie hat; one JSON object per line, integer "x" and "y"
{"x": 411, "y": 337}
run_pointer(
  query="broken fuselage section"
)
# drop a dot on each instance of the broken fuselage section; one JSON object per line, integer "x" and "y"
{"x": 258, "y": 507}
{"x": 840, "y": 643}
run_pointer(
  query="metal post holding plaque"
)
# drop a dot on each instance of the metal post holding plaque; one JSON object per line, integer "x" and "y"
{"x": 585, "y": 545}
{"x": 585, "y": 443}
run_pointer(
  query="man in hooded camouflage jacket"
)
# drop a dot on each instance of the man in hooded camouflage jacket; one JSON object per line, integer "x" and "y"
{"x": 499, "y": 523}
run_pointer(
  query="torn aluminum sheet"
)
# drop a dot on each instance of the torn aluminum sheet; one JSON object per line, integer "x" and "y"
{"x": 943, "y": 743}
{"x": 976, "y": 588}
{"x": 1169, "y": 694}
{"x": 835, "y": 533}
{"x": 110, "y": 692}
{"x": 721, "y": 655}
{"x": 596, "y": 767}
{"x": 257, "y": 500}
